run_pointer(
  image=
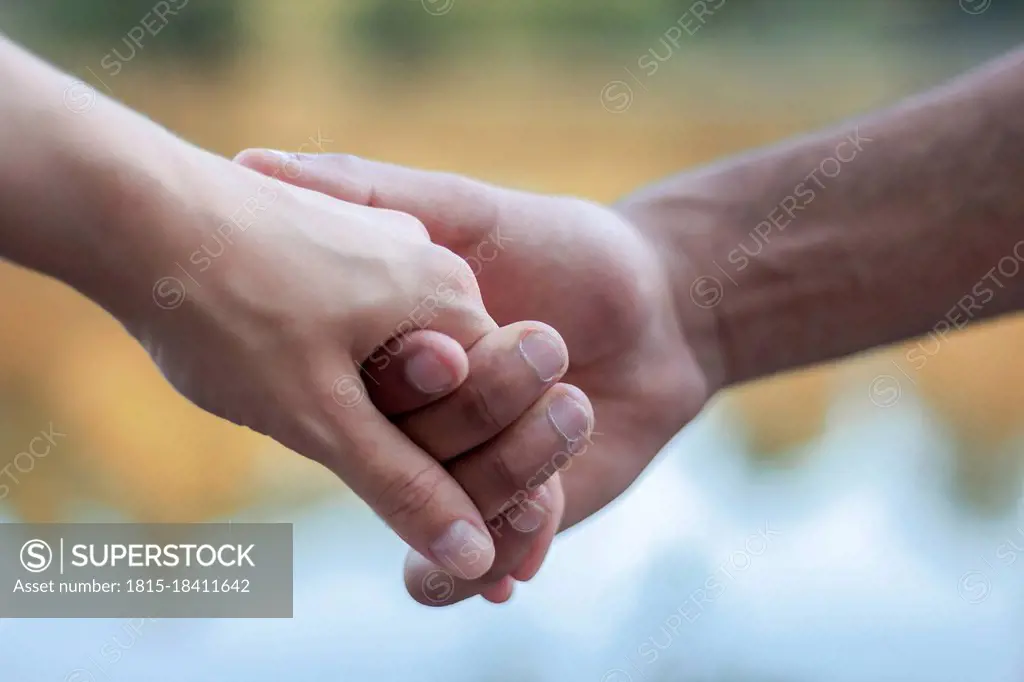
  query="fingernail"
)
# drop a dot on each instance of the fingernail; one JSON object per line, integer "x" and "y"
{"x": 531, "y": 514}
{"x": 427, "y": 373}
{"x": 465, "y": 550}
{"x": 569, "y": 418}
{"x": 543, "y": 354}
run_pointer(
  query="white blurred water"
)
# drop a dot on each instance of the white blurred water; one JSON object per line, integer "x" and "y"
{"x": 854, "y": 567}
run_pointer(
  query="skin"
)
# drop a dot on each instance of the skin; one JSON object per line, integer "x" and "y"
{"x": 905, "y": 222}
{"x": 586, "y": 271}
{"x": 273, "y": 307}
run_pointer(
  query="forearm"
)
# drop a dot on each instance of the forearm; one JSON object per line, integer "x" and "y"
{"x": 904, "y": 222}
{"x": 84, "y": 197}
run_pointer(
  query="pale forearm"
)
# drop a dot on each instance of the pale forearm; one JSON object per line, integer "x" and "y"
{"x": 86, "y": 190}
{"x": 879, "y": 230}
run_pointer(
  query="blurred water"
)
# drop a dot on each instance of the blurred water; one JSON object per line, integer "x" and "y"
{"x": 853, "y": 567}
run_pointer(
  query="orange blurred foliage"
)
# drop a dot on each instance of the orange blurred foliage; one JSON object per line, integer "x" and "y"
{"x": 134, "y": 444}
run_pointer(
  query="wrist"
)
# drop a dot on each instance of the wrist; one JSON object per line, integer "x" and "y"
{"x": 139, "y": 213}
{"x": 683, "y": 228}
{"x": 157, "y": 211}
{"x": 87, "y": 198}
{"x": 59, "y": 205}
{"x": 764, "y": 255}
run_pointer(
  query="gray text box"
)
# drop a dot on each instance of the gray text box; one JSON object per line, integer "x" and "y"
{"x": 96, "y": 570}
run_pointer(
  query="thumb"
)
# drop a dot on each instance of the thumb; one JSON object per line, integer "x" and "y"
{"x": 457, "y": 211}
{"x": 404, "y": 485}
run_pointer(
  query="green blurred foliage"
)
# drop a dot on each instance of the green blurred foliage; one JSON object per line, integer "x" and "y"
{"x": 406, "y": 32}
{"x": 401, "y": 33}
{"x": 566, "y": 26}
{"x": 413, "y": 33}
{"x": 201, "y": 30}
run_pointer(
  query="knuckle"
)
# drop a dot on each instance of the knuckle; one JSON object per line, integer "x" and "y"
{"x": 407, "y": 224}
{"x": 506, "y": 475}
{"x": 479, "y": 409}
{"x": 453, "y": 273}
{"x": 347, "y": 176}
{"x": 479, "y": 204}
{"x": 409, "y": 495}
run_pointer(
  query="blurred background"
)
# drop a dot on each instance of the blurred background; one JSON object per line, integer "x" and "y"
{"x": 862, "y": 519}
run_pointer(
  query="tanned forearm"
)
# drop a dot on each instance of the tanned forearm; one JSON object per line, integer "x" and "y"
{"x": 907, "y": 221}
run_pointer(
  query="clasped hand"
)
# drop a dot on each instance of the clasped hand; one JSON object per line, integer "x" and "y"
{"x": 343, "y": 332}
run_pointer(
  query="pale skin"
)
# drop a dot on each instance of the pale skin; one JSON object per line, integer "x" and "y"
{"x": 878, "y": 230}
{"x": 920, "y": 204}
{"x": 274, "y": 328}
